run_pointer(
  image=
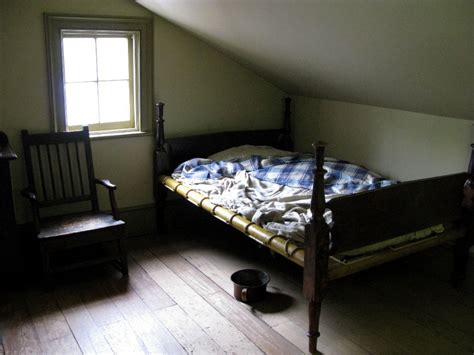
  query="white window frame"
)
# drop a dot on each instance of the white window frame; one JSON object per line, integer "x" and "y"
{"x": 140, "y": 30}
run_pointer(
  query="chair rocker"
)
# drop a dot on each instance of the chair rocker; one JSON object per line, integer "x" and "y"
{"x": 60, "y": 173}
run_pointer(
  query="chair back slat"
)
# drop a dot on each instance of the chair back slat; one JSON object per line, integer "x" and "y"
{"x": 70, "y": 170}
{"x": 60, "y": 168}
{"x": 91, "y": 175}
{"x": 51, "y": 173}
{"x": 61, "y": 175}
{"x": 78, "y": 161}
{"x": 40, "y": 165}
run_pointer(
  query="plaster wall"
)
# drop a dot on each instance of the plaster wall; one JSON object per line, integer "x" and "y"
{"x": 399, "y": 144}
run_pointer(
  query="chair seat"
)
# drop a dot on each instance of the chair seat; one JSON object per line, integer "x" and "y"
{"x": 73, "y": 224}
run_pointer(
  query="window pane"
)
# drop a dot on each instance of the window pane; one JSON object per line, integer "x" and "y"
{"x": 81, "y": 104}
{"x": 113, "y": 58}
{"x": 114, "y": 97}
{"x": 79, "y": 59}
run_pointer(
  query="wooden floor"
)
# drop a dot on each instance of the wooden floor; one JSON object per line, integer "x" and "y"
{"x": 178, "y": 300}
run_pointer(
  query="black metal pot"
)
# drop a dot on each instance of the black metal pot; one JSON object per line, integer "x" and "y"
{"x": 250, "y": 285}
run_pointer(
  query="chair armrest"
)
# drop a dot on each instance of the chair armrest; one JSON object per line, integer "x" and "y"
{"x": 29, "y": 195}
{"x": 113, "y": 202}
{"x": 106, "y": 183}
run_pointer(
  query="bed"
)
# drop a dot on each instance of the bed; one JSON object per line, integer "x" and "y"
{"x": 439, "y": 208}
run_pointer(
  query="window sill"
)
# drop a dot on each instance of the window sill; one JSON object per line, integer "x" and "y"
{"x": 111, "y": 135}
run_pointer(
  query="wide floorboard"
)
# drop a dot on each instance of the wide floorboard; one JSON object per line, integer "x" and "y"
{"x": 178, "y": 299}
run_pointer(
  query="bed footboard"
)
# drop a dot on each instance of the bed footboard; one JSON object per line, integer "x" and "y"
{"x": 369, "y": 217}
{"x": 373, "y": 216}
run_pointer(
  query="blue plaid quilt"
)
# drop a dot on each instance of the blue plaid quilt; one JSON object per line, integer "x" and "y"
{"x": 295, "y": 171}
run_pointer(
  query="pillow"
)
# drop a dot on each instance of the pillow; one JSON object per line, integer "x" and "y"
{"x": 247, "y": 150}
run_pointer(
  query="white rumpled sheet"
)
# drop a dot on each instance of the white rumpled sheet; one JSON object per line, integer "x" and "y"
{"x": 280, "y": 209}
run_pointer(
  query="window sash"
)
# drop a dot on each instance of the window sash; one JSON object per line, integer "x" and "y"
{"x": 103, "y": 26}
{"x": 133, "y": 40}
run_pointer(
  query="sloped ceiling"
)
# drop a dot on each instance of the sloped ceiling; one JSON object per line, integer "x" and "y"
{"x": 413, "y": 55}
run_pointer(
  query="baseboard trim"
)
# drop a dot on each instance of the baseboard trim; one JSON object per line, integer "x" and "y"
{"x": 140, "y": 220}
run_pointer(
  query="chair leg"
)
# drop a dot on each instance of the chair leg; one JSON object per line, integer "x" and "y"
{"x": 123, "y": 256}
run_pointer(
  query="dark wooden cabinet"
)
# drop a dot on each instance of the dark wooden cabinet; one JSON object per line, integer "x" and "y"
{"x": 9, "y": 241}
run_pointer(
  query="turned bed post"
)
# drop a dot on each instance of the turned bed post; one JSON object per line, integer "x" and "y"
{"x": 284, "y": 140}
{"x": 471, "y": 163}
{"x": 461, "y": 249}
{"x": 468, "y": 199}
{"x": 316, "y": 251}
{"x": 161, "y": 165}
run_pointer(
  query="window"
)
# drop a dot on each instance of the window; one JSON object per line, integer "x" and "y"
{"x": 100, "y": 74}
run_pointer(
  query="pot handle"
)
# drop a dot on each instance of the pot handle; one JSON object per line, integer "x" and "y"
{"x": 244, "y": 294}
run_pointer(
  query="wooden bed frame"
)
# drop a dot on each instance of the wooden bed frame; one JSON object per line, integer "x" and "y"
{"x": 360, "y": 219}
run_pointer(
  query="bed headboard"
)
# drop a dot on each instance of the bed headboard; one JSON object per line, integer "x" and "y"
{"x": 186, "y": 148}
{"x": 171, "y": 152}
